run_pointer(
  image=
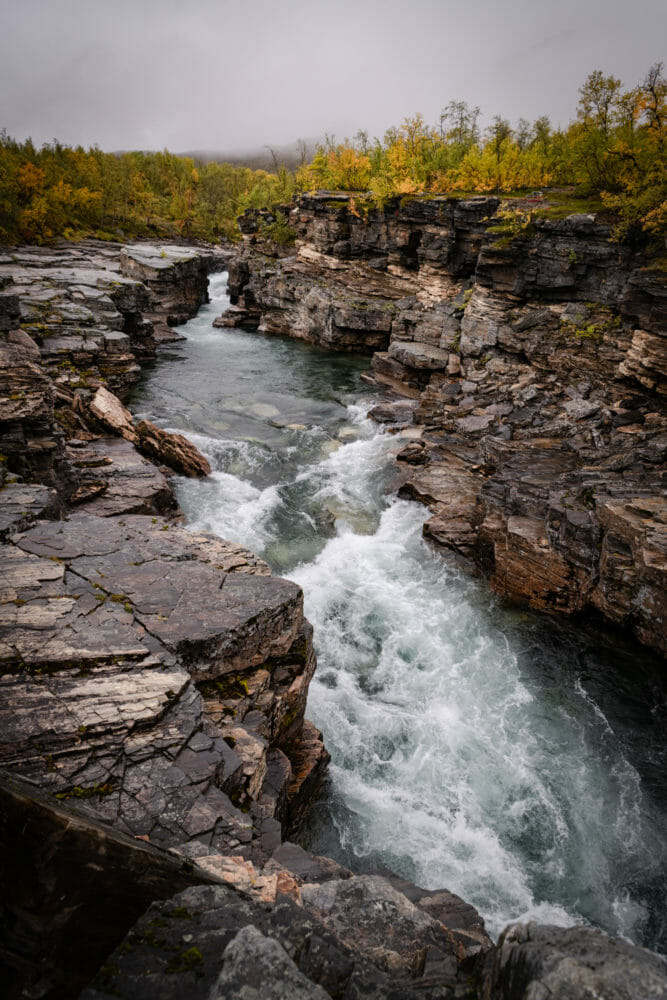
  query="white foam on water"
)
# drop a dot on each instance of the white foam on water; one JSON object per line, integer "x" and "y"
{"x": 230, "y": 507}
{"x": 441, "y": 754}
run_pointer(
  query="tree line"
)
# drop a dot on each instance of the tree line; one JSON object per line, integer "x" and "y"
{"x": 56, "y": 191}
{"x": 613, "y": 151}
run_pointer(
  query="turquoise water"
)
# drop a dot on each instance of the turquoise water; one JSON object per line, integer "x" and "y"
{"x": 516, "y": 762}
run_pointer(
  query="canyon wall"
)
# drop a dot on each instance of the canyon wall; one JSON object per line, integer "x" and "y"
{"x": 528, "y": 351}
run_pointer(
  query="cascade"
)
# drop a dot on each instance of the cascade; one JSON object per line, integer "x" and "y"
{"x": 514, "y": 761}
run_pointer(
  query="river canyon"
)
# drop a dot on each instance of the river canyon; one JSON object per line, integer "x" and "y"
{"x": 494, "y": 748}
{"x": 473, "y": 746}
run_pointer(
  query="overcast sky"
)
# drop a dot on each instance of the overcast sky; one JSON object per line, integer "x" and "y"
{"x": 229, "y": 74}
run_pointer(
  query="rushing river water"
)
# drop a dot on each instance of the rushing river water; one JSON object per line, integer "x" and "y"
{"x": 516, "y": 762}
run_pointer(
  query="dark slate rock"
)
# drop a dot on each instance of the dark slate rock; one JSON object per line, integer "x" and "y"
{"x": 178, "y": 949}
{"x": 574, "y": 963}
{"x": 258, "y": 968}
{"x": 70, "y": 888}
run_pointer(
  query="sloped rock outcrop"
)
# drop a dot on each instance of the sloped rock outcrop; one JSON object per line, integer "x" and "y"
{"x": 71, "y": 887}
{"x": 212, "y": 942}
{"x": 154, "y": 673}
{"x": 155, "y": 677}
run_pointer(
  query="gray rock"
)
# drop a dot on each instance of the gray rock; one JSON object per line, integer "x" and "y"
{"x": 579, "y": 409}
{"x": 104, "y": 624}
{"x": 71, "y": 887}
{"x": 113, "y": 478}
{"x": 394, "y": 412}
{"x": 258, "y": 968}
{"x": 177, "y": 949}
{"x": 534, "y": 962}
{"x": 368, "y": 914}
{"x": 420, "y": 356}
{"x": 21, "y": 505}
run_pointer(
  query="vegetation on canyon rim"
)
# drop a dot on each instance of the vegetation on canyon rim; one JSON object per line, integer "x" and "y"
{"x": 612, "y": 155}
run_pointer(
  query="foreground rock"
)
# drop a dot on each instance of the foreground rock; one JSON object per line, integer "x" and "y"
{"x": 209, "y": 941}
{"x": 76, "y": 889}
{"x": 536, "y": 961}
{"x": 533, "y": 367}
{"x": 71, "y": 888}
{"x": 156, "y": 676}
{"x": 160, "y": 675}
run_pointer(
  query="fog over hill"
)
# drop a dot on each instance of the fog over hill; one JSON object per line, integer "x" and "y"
{"x": 267, "y": 157}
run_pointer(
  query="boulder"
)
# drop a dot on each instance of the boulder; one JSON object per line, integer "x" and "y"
{"x": 108, "y": 409}
{"x": 173, "y": 449}
{"x": 573, "y": 963}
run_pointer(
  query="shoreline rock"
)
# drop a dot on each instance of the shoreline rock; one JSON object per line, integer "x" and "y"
{"x": 158, "y": 676}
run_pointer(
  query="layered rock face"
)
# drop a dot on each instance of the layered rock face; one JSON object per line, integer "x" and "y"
{"x": 213, "y": 683}
{"x": 77, "y": 318}
{"x": 531, "y": 358}
{"x": 153, "y": 746}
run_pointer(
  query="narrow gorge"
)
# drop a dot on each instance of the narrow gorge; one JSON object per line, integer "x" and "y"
{"x": 155, "y": 674}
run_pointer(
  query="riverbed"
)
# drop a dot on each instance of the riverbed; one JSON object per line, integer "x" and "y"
{"x": 513, "y": 760}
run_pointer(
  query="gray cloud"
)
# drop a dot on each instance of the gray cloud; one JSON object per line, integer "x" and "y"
{"x": 223, "y": 74}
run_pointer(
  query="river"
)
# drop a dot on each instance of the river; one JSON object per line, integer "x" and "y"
{"x": 515, "y": 761}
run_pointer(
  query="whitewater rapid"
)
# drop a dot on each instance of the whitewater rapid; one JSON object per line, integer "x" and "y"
{"x": 472, "y": 747}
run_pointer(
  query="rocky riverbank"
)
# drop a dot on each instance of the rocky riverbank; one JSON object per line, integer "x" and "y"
{"x": 527, "y": 354}
{"x": 153, "y": 742}
{"x": 159, "y": 676}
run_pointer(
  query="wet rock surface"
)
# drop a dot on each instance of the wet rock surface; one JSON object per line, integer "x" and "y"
{"x": 533, "y": 367}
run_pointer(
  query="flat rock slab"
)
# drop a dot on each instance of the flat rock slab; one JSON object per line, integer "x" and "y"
{"x": 416, "y": 355}
{"x": 105, "y": 625}
{"x": 118, "y": 479}
{"x": 21, "y": 504}
{"x": 155, "y": 585}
